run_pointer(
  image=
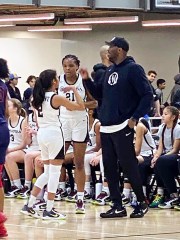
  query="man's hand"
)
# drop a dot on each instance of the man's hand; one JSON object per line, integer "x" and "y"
{"x": 84, "y": 73}
{"x": 131, "y": 123}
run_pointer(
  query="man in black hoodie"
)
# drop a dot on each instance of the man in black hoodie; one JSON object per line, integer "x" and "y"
{"x": 98, "y": 76}
{"x": 126, "y": 96}
{"x": 175, "y": 93}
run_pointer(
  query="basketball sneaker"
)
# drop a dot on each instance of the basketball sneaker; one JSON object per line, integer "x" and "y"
{"x": 40, "y": 206}
{"x": 13, "y": 192}
{"x": 139, "y": 210}
{"x": 29, "y": 211}
{"x": 53, "y": 214}
{"x": 24, "y": 193}
{"x": 80, "y": 207}
{"x": 3, "y": 231}
{"x": 177, "y": 206}
{"x": 169, "y": 204}
{"x": 72, "y": 197}
{"x": 101, "y": 199}
{"x": 60, "y": 194}
{"x": 114, "y": 212}
{"x": 159, "y": 199}
{"x": 125, "y": 200}
{"x": 87, "y": 197}
{"x": 3, "y": 218}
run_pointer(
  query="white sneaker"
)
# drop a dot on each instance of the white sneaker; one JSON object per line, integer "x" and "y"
{"x": 168, "y": 204}
{"x": 13, "y": 192}
{"x": 40, "y": 206}
{"x": 80, "y": 207}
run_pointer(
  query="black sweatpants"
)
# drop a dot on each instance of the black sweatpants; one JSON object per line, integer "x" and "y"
{"x": 119, "y": 146}
{"x": 167, "y": 169}
{"x": 146, "y": 170}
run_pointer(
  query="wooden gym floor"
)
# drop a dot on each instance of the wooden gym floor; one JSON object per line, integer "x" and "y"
{"x": 156, "y": 225}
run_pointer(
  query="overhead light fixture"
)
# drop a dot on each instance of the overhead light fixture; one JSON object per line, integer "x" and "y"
{"x": 27, "y": 17}
{"x": 60, "y": 28}
{"x": 7, "y": 24}
{"x": 161, "y": 23}
{"x": 125, "y": 19}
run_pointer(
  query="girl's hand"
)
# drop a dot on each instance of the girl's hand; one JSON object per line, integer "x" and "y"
{"x": 95, "y": 161}
{"x": 30, "y": 131}
{"x": 153, "y": 161}
{"x": 39, "y": 162}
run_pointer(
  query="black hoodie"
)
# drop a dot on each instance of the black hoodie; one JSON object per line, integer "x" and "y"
{"x": 126, "y": 93}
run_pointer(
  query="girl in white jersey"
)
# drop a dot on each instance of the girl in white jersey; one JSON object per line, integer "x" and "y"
{"x": 15, "y": 154}
{"x": 32, "y": 152}
{"x": 144, "y": 149}
{"x": 165, "y": 159}
{"x": 50, "y": 139}
{"x": 75, "y": 124}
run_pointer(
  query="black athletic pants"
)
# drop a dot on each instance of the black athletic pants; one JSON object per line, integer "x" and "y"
{"x": 119, "y": 146}
{"x": 167, "y": 169}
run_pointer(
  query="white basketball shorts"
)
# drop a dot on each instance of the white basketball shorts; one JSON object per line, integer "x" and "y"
{"x": 51, "y": 143}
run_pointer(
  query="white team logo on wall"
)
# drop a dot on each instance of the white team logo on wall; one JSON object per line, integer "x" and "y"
{"x": 113, "y": 78}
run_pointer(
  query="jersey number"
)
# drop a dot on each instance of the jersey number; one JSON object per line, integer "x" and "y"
{"x": 40, "y": 113}
{"x": 70, "y": 96}
{"x": 12, "y": 137}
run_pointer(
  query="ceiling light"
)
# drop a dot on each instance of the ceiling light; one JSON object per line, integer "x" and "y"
{"x": 27, "y": 17}
{"x": 161, "y": 23}
{"x": 60, "y": 28}
{"x": 125, "y": 19}
{"x": 7, "y": 24}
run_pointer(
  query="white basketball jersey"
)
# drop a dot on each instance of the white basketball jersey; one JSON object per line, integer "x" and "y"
{"x": 15, "y": 133}
{"x": 47, "y": 116}
{"x": 148, "y": 146}
{"x": 92, "y": 137}
{"x": 65, "y": 113}
{"x": 32, "y": 124}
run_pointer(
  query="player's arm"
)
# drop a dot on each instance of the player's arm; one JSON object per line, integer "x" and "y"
{"x": 58, "y": 101}
{"x": 140, "y": 130}
{"x": 90, "y": 103}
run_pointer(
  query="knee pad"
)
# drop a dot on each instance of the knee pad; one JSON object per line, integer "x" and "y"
{"x": 54, "y": 174}
{"x": 43, "y": 178}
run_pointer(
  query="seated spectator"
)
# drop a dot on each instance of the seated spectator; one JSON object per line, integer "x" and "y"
{"x": 11, "y": 85}
{"x": 165, "y": 159}
{"x": 175, "y": 92}
{"x": 31, "y": 80}
{"x": 161, "y": 84}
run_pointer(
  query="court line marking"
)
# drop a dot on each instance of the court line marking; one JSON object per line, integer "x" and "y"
{"x": 112, "y": 235}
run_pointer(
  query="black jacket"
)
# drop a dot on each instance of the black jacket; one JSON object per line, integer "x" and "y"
{"x": 125, "y": 93}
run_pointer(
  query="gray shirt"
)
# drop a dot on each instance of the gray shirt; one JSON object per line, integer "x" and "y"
{"x": 167, "y": 136}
